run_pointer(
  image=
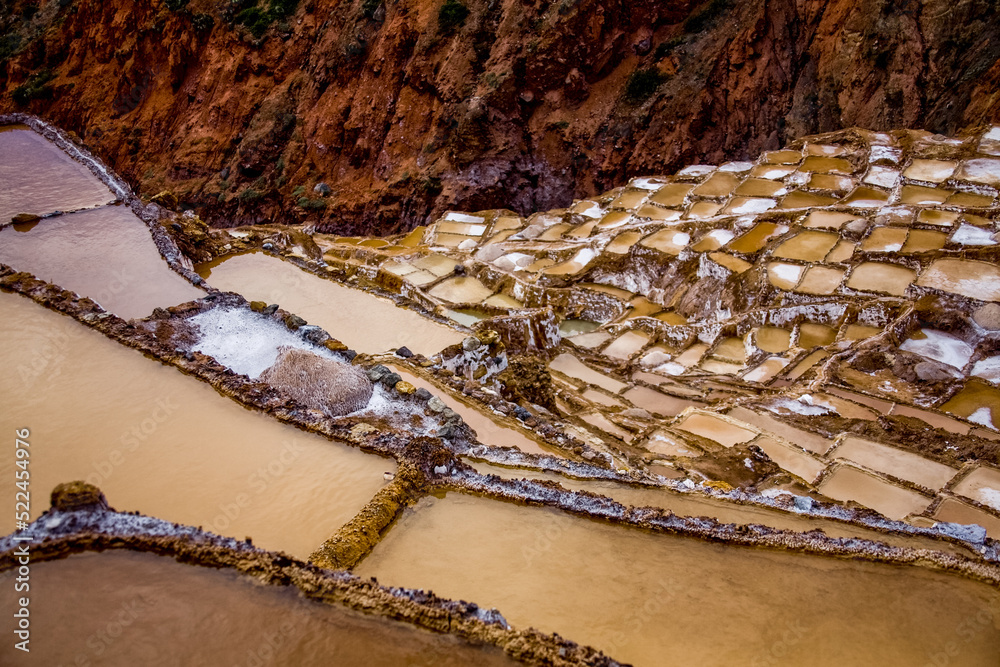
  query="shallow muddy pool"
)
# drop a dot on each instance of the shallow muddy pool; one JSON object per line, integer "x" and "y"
{"x": 39, "y": 178}
{"x": 362, "y": 321}
{"x": 669, "y": 600}
{"x": 123, "y": 609}
{"x": 106, "y": 254}
{"x": 165, "y": 444}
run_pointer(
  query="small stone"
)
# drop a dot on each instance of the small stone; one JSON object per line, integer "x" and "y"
{"x": 973, "y": 533}
{"x": 521, "y": 413}
{"x": 270, "y": 310}
{"x": 435, "y": 404}
{"x": 294, "y": 322}
{"x": 359, "y": 431}
{"x": 635, "y": 413}
{"x": 78, "y": 495}
{"x": 25, "y": 218}
{"x": 388, "y": 476}
{"x": 471, "y": 343}
{"x": 426, "y": 363}
{"x": 334, "y": 345}
{"x": 268, "y": 246}
{"x": 450, "y": 416}
{"x": 929, "y": 371}
{"x": 391, "y": 380}
{"x": 479, "y": 373}
{"x": 350, "y": 354}
{"x": 160, "y": 314}
{"x": 258, "y": 306}
{"x": 404, "y": 352}
{"x": 376, "y": 373}
{"x": 803, "y": 503}
{"x": 988, "y": 317}
{"x": 440, "y": 470}
{"x": 314, "y": 334}
{"x": 423, "y": 394}
{"x": 405, "y": 388}
{"x": 322, "y": 189}
{"x": 166, "y": 199}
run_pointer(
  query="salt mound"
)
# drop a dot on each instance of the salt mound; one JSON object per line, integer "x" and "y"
{"x": 334, "y": 387}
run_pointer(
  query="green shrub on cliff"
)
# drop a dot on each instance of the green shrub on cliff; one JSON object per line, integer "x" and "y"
{"x": 643, "y": 83}
{"x": 451, "y": 15}
{"x": 36, "y": 87}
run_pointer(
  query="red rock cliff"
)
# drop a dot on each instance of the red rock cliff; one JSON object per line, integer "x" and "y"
{"x": 517, "y": 104}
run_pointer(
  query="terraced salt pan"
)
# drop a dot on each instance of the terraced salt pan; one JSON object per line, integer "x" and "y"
{"x": 895, "y": 462}
{"x": 652, "y": 582}
{"x": 976, "y": 280}
{"x": 106, "y": 254}
{"x": 39, "y": 178}
{"x": 847, "y": 483}
{"x": 362, "y": 321}
{"x": 121, "y": 608}
{"x": 940, "y": 346}
{"x": 953, "y": 510}
{"x": 488, "y": 431}
{"x": 983, "y": 485}
{"x": 569, "y": 365}
{"x": 159, "y": 442}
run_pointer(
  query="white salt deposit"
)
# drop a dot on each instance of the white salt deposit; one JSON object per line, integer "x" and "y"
{"x": 982, "y": 416}
{"x": 940, "y": 346}
{"x": 463, "y": 217}
{"x": 988, "y": 369}
{"x": 755, "y": 206}
{"x": 696, "y": 170}
{"x": 245, "y": 341}
{"x": 883, "y": 177}
{"x": 736, "y": 167}
{"x": 971, "y": 235}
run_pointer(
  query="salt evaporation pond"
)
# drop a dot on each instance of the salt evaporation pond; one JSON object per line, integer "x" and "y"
{"x": 123, "y": 609}
{"x": 39, "y": 178}
{"x": 362, "y": 321}
{"x": 106, "y": 254}
{"x": 164, "y": 444}
{"x": 656, "y": 599}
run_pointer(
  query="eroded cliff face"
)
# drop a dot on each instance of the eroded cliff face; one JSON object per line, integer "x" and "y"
{"x": 517, "y": 105}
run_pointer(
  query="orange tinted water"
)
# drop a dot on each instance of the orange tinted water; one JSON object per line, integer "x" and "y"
{"x": 39, "y": 178}
{"x": 106, "y": 254}
{"x": 129, "y": 609}
{"x": 654, "y": 599}
{"x": 165, "y": 444}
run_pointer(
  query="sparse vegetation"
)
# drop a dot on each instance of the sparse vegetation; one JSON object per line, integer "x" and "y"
{"x": 311, "y": 204}
{"x": 36, "y": 87}
{"x": 451, "y": 15}
{"x": 643, "y": 83}
{"x": 257, "y": 19}
{"x": 664, "y": 49}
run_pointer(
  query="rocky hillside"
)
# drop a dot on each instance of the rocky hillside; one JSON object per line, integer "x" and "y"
{"x": 376, "y": 115}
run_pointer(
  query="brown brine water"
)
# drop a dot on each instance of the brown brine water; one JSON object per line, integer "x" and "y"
{"x": 165, "y": 444}
{"x": 106, "y": 254}
{"x": 39, "y": 178}
{"x": 363, "y": 321}
{"x": 130, "y": 609}
{"x": 656, "y": 599}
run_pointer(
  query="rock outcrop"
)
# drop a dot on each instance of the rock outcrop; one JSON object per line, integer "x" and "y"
{"x": 404, "y": 109}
